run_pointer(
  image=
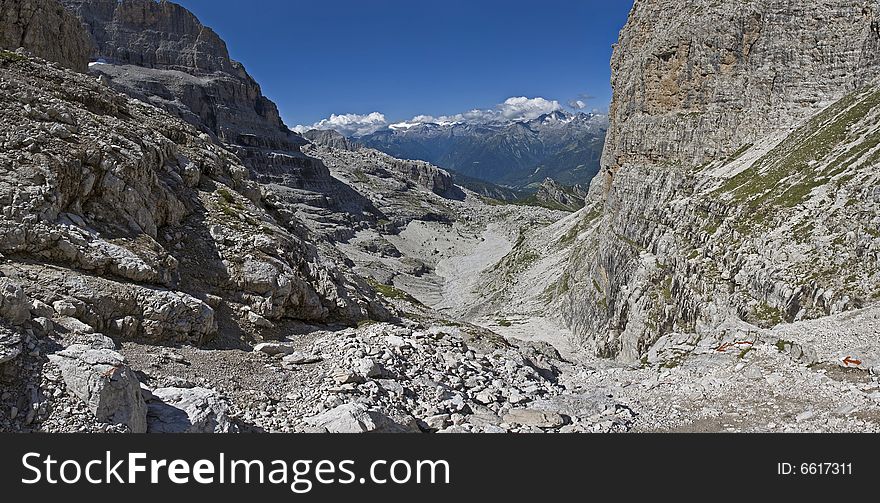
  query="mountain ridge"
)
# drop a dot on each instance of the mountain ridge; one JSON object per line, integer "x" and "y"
{"x": 560, "y": 145}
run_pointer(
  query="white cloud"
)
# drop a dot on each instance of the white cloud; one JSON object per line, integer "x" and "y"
{"x": 349, "y": 124}
{"x": 523, "y": 108}
{"x": 513, "y": 109}
{"x": 518, "y": 108}
{"x": 581, "y": 102}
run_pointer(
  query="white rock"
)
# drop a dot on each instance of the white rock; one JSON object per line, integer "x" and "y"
{"x": 64, "y": 308}
{"x": 358, "y": 418}
{"x": 259, "y": 321}
{"x": 437, "y": 422}
{"x": 274, "y": 348}
{"x": 299, "y": 358}
{"x": 108, "y": 387}
{"x": 536, "y": 418}
{"x": 804, "y": 416}
{"x": 193, "y": 410}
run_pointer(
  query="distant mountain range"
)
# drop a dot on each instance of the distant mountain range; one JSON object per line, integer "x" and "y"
{"x": 560, "y": 145}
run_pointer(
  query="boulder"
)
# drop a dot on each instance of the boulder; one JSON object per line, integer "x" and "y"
{"x": 274, "y": 348}
{"x": 14, "y": 304}
{"x": 359, "y": 418}
{"x": 102, "y": 380}
{"x": 195, "y": 410}
{"x": 536, "y": 418}
{"x": 299, "y": 358}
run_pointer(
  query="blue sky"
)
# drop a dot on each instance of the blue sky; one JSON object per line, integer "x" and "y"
{"x": 418, "y": 57}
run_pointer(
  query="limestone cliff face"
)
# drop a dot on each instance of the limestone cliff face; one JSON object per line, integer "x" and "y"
{"x": 716, "y": 195}
{"x": 45, "y": 29}
{"x": 153, "y": 34}
{"x": 160, "y": 51}
{"x": 694, "y": 81}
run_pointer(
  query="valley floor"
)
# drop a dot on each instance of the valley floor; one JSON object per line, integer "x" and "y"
{"x": 476, "y": 349}
{"x": 811, "y": 376}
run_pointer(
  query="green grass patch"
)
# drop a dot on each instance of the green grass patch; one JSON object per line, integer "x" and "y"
{"x": 781, "y": 345}
{"x": 391, "y": 292}
{"x": 226, "y": 195}
{"x": 768, "y": 314}
{"x": 10, "y": 57}
{"x": 786, "y": 176}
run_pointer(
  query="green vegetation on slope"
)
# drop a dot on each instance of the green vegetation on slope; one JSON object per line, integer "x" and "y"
{"x": 785, "y": 176}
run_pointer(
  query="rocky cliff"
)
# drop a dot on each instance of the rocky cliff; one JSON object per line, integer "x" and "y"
{"x": 330, "y": 138}
{"x": 559, "y": 196}
{"x": 161, "y": 52}
{"x": 44, "y": 29}
{"x": 132, "y": 223}
{"x": 724, "y": 192}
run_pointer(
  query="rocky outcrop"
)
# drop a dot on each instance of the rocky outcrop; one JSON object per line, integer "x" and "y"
{"x": 709, "y": 207}
{"x": 14, "y": 305}
{"x": 688, "y": 91}
{"x": 398, "y": 191}
{"x": 10, "y": 344}
{"x": 44, "y": 29}
{"x": 133, "y": 221}
{"x": 160, "y": 50}
{"x": 160, "y": 53}
{"x": 108, "y": 387}
{"x": 555, "y": 194}
{"x": 330, "y": 138}
{"x": 195, "y": 410}
{"x": 359, "y": 418}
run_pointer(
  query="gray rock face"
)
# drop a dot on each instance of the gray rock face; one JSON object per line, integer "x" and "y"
{"x": 196, "y": 410}
{"x": 14, "y": 304}
{"x": 536, "y": 418}
{"x": 159, "y": 51}
{"x": 330, "y": 138}
{"x": 152, "y": 34}
{"x": 359, "y": 418}
{"x": 274, "y": 348}
{"x": 10, "y": 344}
{"x": 422, "y": 173}
{"x": 124, "y": 218}
{"x": 397, "y": 191}
{"x": 108, "y": 387}
{"x": 45, "y": 29}
{"x": 708, "y": 206}
{"x": 556, "y": 195}
{"x": 694, "y": 90}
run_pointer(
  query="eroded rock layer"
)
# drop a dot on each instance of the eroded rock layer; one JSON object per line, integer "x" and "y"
{"x": 46, "y": 30}
{"x": 709, "y": 205}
